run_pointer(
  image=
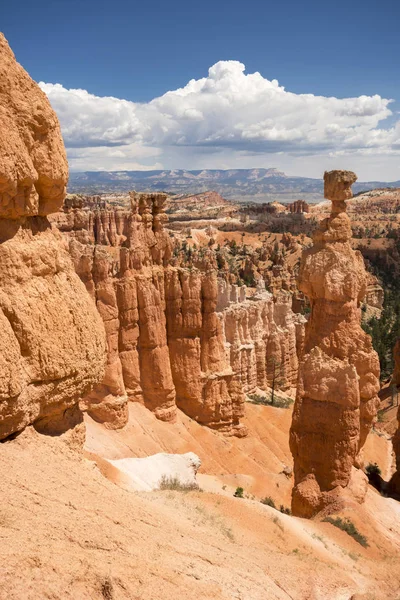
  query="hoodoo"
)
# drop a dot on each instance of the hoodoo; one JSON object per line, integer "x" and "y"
{"x": 52, "y": 341}
{"x": 177, "y": 336}
{"x": 339, "y": 373}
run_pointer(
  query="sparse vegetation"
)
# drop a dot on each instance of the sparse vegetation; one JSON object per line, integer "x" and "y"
{"x": 380, "y": 415}
{"x": 274, "y": 369}
{"x": 216, "y": 522}
{"x": 385, "y": 331}
{"x": 372, "y": 469}
{"x": 268, "y": 501}
{"x": 107, "y": 589}
{"x": 277, "y": 522}
{"x": 278, "y": 401}
{"x": 349, "y": 527}
{"x": 285, "y": 510}
{"x": 320, "y": 539}
{"x": 239, "y": 493}
{"x": 174, "y": 483}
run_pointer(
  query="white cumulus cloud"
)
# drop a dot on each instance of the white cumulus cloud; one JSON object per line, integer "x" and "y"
{"x": 227, "y": 111}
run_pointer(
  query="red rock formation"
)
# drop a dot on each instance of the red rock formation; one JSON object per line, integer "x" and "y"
{"x": 374, "y": 294}
{"x": 262, "y": 337}
{"x": 122, "y": 264}
{"x": 177, "y": 336}
{"x": 395, "y": 481}
{"x": 207, "y": 388}
{"x": 299, "y": 206}
{"x": 339, "y": 374}
{"x": 52, "y": 345}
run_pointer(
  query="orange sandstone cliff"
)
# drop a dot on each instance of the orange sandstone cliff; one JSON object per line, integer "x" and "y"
{"x": 339, "y": 374}
{"x": 52, "y": 343}
{"x": 177, "y": 336}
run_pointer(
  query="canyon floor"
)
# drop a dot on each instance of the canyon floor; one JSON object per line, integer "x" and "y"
{"x": 69, "y": 532}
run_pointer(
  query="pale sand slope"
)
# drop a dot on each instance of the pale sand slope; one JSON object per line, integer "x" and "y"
{"x": 255, "y": 463}
{"x": 68, "y": 532}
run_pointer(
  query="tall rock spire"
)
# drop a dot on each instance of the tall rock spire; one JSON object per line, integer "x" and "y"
{"x": 339, "y": 373}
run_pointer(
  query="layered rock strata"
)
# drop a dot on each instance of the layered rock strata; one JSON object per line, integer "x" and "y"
{"x": 177, "y": 336}
{"x": 52, "y": 341}
{"x": 339, "y": 374}
{"x": 120, "y": 256}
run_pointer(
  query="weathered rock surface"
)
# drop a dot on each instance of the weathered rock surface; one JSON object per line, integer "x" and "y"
{"x": 395, "y": 481}
{"x": 124, "y": 273}
{"x": 339, "y": 375}
{"x": 33, "y": 164}
{"x": 374, "y": 294}
{"x": 52, "y": 342}
{"x": 299, "y": 206}
{"x": 263, "y": 337}
{"x": 177, "y": 336}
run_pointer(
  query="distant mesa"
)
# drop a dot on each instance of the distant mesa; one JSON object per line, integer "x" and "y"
{"x": 259, "y": 185}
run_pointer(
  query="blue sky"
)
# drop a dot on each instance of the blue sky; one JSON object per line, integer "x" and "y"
{"x": 138, "y": 51}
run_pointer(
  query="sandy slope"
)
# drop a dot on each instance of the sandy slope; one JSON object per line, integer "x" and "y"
{"x": 255, "y": 463}
{"x": 68, "y": 532}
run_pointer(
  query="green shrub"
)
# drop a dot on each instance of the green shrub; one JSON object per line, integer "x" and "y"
{"x": 284, "y": 510}
{"x": 268, "y": 501}
{"x": 239, "y": 492}
{"x": 349, "y": 527}
{"x": 380, "y": 416}
{"x": 372, "y": 469}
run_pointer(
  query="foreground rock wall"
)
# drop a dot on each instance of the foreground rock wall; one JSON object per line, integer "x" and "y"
{"x": 339, "y": 374}
{"x": 395, "y": 481}
{"x": 176, "y": 336}
{"x": 52, "y": 342}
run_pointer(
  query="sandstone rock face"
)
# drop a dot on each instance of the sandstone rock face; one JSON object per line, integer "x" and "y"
{"x": 395, "y": 481}
{"x": 207, "y": 389}
{"x": 299, "y": 206}
{"x": 33, "y": 164}
{"x": 339, "y": 374}
{"x": 374, "y": 295}
{"x": 263, "y": 338}
{"x": 120, "y": 256}
{"x": 177, "y": 337}
{"x": 52, "y": 342}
